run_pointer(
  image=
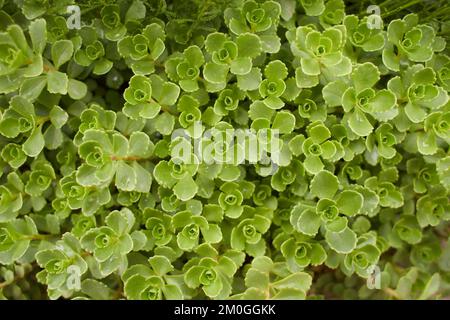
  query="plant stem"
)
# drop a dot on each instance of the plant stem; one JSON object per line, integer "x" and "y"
{"x": 398, "y": 9}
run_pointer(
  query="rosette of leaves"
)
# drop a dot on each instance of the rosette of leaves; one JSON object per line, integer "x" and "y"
{"x": 190, "y": 113}
{"x": 361, "y": 99}
{"x": 228, "y": 100}
{"x": 15, "y": 238}
{"x": 65, "y": 157}
{"x": 13, "y": 155}
{"x": 153, "y": 281}
{"x": 143, "y": 49}
{"x": 20, "y": 119}
{"x": 308, "y": 218}
{"x": 352, "y": 148}
{"x": 11, "y": 199}
{"x": 270, "y": 133}
{"x": 35, "y": 8}
{"x": 408, "y": 230}
{"x": 320, "y": 55}
{"x": 268, "y": 280}
{"x": 223, "y": 147}
{"x": 441, "y": 65}
{"x": 408, "y": 40}
{"x": 169, "y": 201}
{"x": 382, "y": 141}
{"x": 109, "y": 155}
{"x": 424, "y": 175}
{"x": 389, "y": 195}
{"x": 40, "y": 178}
{"x": 90, "y": 51}
{"x": 230, "y": 199}
{"x": 146, "y": 96}
{"x": 288, "y": 176}
{"x": 110, "y": 243}
{"x": 56, "y": 28}
{"x": 95, "y": 117}
{"x": 365, "y": 255}
{"x": 418, "y": 285}
{"x": 318, "y": 147}
{"x": 247, "y": 234}
{"x": 310, "y": 107}
{"x": 313, "y": 7}
{"x": 263, "y": 196}
{"x": 333, "y": 14}
{"x": 435, "y": 133}
{"x": 177, "y": 176}
{"x": 362, "y": 35}
{"x": 89, "y": 200}
{"x": 213, "y": 275}
{"x": 433, "y": 208}
{"x": 159, "y": 229}
{"x": 259, "y": 18}
{"x": 426, "y": 253}
{"x": 230, "y": 56}
{"x": 273, "y": 86}
{"x": 300, "y": 252}
{"x": 81, "y": 224}
{"x": 184, "y": 68}
{"x": 111, "y": 21}
{"x": 63, "y": 266}
{"x": 350, "y": 172}
{"x": 75, "y": 147}
{"x": 420, "y": 94}
{"x": 189, "y": 227}
{"x": 18, "y": 60}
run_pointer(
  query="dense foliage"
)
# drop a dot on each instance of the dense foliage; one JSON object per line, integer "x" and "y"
{"x": 346, "y": 197}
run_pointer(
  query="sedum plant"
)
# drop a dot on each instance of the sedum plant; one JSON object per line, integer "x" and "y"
{"x": 248, "y": 149}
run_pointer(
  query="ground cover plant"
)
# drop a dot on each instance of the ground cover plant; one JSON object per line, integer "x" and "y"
{"x": 215, "y": 149}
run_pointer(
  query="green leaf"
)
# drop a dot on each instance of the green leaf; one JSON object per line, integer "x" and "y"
{"x": 241, "y": 66}
{"x": 431, "y": 287}
{"x": 160, "y": 264}
{"x": 349, "y": 202}
{"x": 250, "y": 81}
{"x": 300, "y": 281}
{"x": 359, "y": 124}
{"x": 284, "y": 121}
{"x": 38, "y": 34}
{"x": 249, "y": 45}
{"x": 276, "y": 70}
{"x": 136, "y": 11}
{"x": 58, "y": 116}
{"x": 31, "y": 88}
{"x": 333, "y": 92}
{"x": 35, "y": 143}
{"x": 314, "y": 7}
{"x": 57, "y": 82}
{"x": 308, "y": 222}
{"x": 341, "y": 242}
{"x": 77, "y": 90}
{"x": 126, "y": 178}
{"x": 365, "y": 76}
{"x": 215, "y": 73}
{"x": 185, "y": 189}
{"x": 324, "y": 185}
{"x": 62, "y": 51}
{"x": 214, "y": 41}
